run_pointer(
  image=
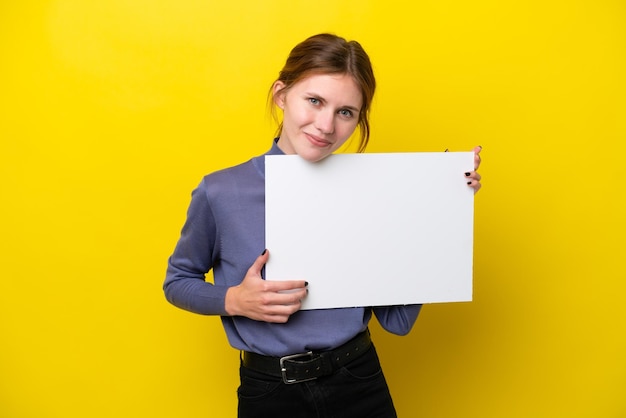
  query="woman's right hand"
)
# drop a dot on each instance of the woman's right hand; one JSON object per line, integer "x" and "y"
{"x": 265, "y": 300}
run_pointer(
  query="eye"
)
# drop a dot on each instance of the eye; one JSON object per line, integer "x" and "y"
{"x": 314, "y": 101}
{"x": 346, "y": 113}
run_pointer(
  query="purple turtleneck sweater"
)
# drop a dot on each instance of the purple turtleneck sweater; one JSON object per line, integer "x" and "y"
{"x": 225, "y": 231}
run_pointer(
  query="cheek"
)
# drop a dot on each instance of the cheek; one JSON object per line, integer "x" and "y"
{"x": 296, "y": 117}
{"x": 346, "y": 129}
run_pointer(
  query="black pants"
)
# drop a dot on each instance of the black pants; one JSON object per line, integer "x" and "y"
{"x": 357, "y": 390}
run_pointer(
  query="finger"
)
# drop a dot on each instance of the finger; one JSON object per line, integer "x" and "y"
{"x": 280, "y": 313}
{"x": 276, "y": 292}
{"x": 474, "y": 184}
{"x": 258, "y": 264}
{"x": 277, "y": 319}
{"x": 289, "y": 299}
{"x": 472, "y": 175}
{"x": 477, "y": 158}
{"x": 285, "y": 285}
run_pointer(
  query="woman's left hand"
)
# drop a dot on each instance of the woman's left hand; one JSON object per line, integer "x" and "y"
{"x": 473, "y": 178}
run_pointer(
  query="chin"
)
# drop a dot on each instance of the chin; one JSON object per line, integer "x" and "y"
{"x": 313, "y": 156}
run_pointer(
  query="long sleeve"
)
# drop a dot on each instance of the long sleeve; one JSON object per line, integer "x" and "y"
{"x": 185, "y": 285}
{"x": 224, "y": 233}
{"x": 397, "y": 319}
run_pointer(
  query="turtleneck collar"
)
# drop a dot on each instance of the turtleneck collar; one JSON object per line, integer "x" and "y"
{"x": 259, "y": 162}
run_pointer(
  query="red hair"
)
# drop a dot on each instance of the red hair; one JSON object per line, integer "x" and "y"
{"x": 330, "y": 54}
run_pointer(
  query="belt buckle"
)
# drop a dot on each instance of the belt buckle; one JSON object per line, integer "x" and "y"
{"x": 283, "y": 370}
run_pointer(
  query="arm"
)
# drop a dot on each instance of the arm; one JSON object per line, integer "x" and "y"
{"x": 195, "y": 254}
{"x": 185, "y": 285}
{"x": 397, "y": 319}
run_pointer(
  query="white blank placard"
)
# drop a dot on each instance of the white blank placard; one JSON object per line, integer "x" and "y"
{"x": 371, "y": 229}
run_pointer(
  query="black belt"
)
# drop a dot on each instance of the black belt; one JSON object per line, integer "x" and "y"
{"x": 297, "y": 368}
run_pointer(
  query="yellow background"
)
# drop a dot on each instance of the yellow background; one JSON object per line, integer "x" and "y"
{"x": 111, "y": 112}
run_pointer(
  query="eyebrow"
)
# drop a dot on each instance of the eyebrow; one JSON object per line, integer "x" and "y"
{"x": 318, "y": 97}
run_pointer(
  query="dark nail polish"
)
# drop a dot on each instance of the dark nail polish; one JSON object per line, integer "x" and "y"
{"x": 306, "y": 283}
{"x": 469, "y": 182}
{"x": 467, "y": 174}
{"x": 264, "y": 251}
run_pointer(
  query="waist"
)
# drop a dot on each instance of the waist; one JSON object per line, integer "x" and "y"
{"x": 310, "y": 365}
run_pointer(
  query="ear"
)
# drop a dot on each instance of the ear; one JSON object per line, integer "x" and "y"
{"x": 278, "y": 94}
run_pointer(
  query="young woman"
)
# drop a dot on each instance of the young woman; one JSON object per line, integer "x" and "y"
{"x": 313, "y": 363}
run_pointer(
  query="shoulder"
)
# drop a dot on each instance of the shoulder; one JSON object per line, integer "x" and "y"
{"x": 246, "y": 176}
{"x": 245, "y": 179}
{"x": 229, "y": 175}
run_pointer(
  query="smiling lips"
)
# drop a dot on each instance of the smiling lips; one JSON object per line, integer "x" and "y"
{"x": 317, "y": 141}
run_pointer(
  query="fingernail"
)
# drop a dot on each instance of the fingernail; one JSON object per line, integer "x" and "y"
{"x": 306, "y": 284}
{"x": 469, "y": 182}
{"x": 264, "y": 251}
{"x": 467, "y": 174}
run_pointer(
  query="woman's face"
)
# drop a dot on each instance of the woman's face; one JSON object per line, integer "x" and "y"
{"x": 320, "y": 113}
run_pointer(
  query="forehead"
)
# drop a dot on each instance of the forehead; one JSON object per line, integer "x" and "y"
{"x": 338, "y": 89}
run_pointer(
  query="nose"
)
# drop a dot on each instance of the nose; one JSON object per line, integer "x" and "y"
{"x": 325, "y": 122}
